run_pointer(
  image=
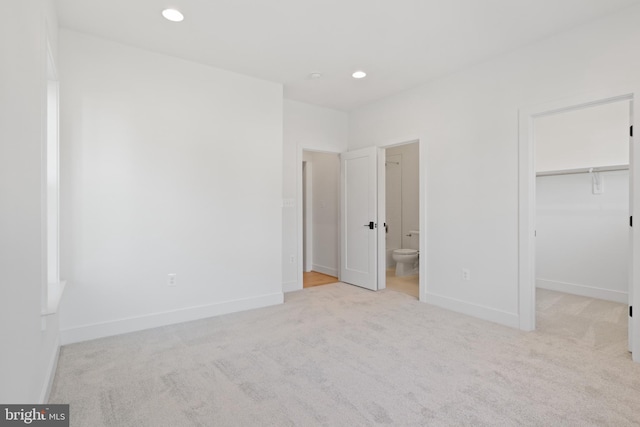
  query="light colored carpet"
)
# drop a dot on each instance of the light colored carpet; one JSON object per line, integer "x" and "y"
{"x": 337, "y": 355}
{"x": 600, "y": 324}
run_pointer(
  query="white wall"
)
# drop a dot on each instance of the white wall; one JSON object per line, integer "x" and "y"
{"x": 468, "y": 123}
{"x": 583, "y": 239}
{"x": 313, "y": 128}
{"x": 27, "y": 358}
{"x": 588, "y": 137}
{"x": 325, "y": 211}
{"x": 168, "y": 166}
{"x": 393, "y": 205}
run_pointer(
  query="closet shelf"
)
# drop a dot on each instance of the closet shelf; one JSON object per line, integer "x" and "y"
{"x": 584, "y": 170}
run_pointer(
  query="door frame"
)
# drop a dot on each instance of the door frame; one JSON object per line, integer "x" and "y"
{"x": 307, "y": 215}
{"x": 422, "y": 176}
{"x": 526, "y": 201}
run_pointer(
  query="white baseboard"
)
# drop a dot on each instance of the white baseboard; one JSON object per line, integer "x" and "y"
{"x": 325, "y": 270}
{"x": 479, "y": 311}
{"x": 133, "y": 324}
{"x": 585, "y": 291}
{"x": 291, "y": 287}
{"x": 50, "y": 373}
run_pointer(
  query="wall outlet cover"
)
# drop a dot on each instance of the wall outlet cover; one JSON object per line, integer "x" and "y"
{"x": 171, "y": 279}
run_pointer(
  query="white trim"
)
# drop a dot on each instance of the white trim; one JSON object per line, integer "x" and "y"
{"x": 633, "y": 242}
{"x": 52, "y": 288}
{"x": 307, "y": 214}
{"x": 325, "y": 270}
{"x": 52, "y": 66}
{"x": 382, "y": 218}
{"x": 50, "y": 374}
{"x": 634, "y": 238}
{"x": 526, "y": 224}
{"x": 583, "y": 290}
{"x": 133, "y": 324}
{"x": 424, "y": 232}
{"x": 55, "y": 291}
{"x": 475, "y": 310}
{"x": 299, "y": 213}
{"x": 53, "y": 191}
{"x": 291, "y": 287}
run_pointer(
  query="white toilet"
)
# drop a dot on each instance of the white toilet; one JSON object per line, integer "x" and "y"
{"x": 407, "y": 259}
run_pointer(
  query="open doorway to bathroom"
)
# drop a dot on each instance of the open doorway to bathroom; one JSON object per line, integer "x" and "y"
{"x": 320, "y": 218}
{"x": 582, "y": 224}
{"x": 402, "y": 207}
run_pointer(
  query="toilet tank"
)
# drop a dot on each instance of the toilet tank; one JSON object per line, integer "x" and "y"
{"x": 412, "y": 240}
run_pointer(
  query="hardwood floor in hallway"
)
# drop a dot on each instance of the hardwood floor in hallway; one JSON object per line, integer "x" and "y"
{"x": 313, "y": 278}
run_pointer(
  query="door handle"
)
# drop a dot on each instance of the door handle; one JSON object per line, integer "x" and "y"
{"x": 371, "y": 225}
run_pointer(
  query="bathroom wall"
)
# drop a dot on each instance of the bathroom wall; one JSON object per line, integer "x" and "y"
{"x": 468, "y": 124}
{"x": 393, "y": 205}
{"x": 582, "y": 243}
{"x": 402, "y": 196}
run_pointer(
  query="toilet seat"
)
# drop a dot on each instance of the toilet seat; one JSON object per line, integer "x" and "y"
{"x": 406, "y": 251}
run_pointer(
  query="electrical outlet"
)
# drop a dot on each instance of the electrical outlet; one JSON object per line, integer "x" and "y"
{"x": 466, "y": 274}
{"x": 171, "y": 279}
{"x": 292, "y": 259}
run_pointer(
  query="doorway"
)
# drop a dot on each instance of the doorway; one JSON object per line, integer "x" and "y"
{"x": 582, "y": 236}
{"x": 576, "y": 196}
{"x": 402, "y": 218}
{"x": 353, "y": 165}
{"x": 320, "y": 221}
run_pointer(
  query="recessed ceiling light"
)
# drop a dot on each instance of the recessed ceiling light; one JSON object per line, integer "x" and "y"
{"x": 172, "y": 15}
{"x": 315, "y": 75}
{"x": 359, "y": 75}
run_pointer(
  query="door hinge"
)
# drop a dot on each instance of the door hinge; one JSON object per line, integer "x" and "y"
{"x": 631, "y": 221}
{"x": 630, "y": 130}
{"x": 630, "y": 311}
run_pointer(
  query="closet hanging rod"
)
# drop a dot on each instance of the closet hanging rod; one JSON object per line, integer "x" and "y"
{"x": 584, "y": 170}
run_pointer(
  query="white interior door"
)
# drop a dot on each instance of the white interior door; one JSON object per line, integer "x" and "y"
{"x": 359, "y": 231}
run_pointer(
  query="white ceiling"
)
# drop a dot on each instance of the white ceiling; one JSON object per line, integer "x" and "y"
{"x": 399, "y": 43}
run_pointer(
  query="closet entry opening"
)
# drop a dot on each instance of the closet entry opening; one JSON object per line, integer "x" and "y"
{"x": 582, "y": 237}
